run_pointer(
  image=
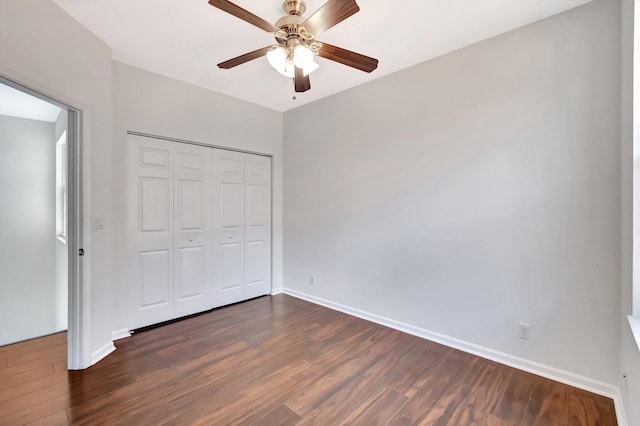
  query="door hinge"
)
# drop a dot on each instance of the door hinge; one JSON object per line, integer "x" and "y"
{"x": 80, "y": 252}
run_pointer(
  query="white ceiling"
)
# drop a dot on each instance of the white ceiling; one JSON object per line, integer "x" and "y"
{"x": 185, "y": 39}
{"x": 15, "y": 103}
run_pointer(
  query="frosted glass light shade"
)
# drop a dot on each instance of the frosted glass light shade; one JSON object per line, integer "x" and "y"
{"x": 310, "y": 67}
{"x": 302, "y": 56}
{"x": 278, "y": 58}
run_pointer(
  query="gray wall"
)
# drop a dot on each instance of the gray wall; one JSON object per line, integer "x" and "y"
{"x": 27, "y": 229}
{"x": 473, "y": 192}
{"x": 630, "y": 232}
{"x": 42, "y": 47}
{"x": 149, "y": 103}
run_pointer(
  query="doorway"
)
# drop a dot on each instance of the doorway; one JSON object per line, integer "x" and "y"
{"x": 39, "y": 227}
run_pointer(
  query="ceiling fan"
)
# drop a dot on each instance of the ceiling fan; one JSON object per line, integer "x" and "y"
{"x": 297, "y": 46}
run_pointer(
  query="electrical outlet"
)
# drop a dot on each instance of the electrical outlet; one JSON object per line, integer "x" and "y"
{"x": 312, "y": 280}
{"x": 524, "y": 331}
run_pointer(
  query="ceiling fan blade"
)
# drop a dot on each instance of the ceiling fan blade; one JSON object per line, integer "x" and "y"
{"x": 301, "y": 82}
{"x": 239, "y": 60}
{"x": 347, "y": 57}
{"x": 243, "y": 14}
{"x": 331, "y": 13}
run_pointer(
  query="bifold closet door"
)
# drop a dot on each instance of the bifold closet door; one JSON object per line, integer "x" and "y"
{"x": 192, "y": 283}
{"x": 242, "y": 225}
{"x": 228, "y": 224}
{"x": 257, "y": 265}
{"x": 150, "y": 230}
{"x": 199, "y": 228}
{"x": 169, "y": 228}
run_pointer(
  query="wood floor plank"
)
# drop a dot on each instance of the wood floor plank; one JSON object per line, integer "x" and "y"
{"x": 281, "y": 361}
{"x": 514, "y": 401}
{"x": 28, "y": 387}
{"x": 320, "y": 391}
{"x": 352, "y": 399}
{"x": 281, "y": 415}
{"x": 34, "y": 344}
{"x": 381, "y": 410}
{"x": 37, "y": 411}
{"x": 10, "y": 381}
{"x": 53, "y": 350}
{"x": 586, "y": 409}
{"x": 59, "y": 418}
{"x": 31, "y": 365}
{"x": 548, "y": 403}
{"x": 39, "y": 396}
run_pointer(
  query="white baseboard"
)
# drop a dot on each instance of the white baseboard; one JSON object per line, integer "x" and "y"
{"x": 277, "y": 290}
{"x": 620, "y": 411}
{"x": 547, "y": 371}
{"x": 120, "y": 334}
{"x": 102, "y": 352}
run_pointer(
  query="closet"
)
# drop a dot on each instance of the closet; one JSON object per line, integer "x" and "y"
{"x": 198, "y": 228}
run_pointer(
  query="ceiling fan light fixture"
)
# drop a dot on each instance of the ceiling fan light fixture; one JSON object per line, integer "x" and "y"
{"x": 279, "y": 58}
{"x": 309, "y": 68}
{"x": 302, "y": 56}
{"x": 289, "y": 69}
{"x": 293, "y": 56}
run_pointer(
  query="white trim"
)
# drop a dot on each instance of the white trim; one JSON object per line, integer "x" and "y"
{"x": 621, "y": 414}
{"x": 634, "y": 324}
{"x": 120, "y": 334}
{"x": 563, "y": 376}
{"x": 277, "y": 290}
{"x": 102, "y": 352}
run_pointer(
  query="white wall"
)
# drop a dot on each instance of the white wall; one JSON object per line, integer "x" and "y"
{"x": 42, "y": 47}
{"x": 473, "y": 192}
{"x": 27, "y": 229}
{"x": 149, "y": 103}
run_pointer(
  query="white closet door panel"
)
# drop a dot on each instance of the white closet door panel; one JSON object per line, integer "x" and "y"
{"x": 228, "y": 226}
{"x": 191, "y": 206}
{"x": 258, "y": 225}
{"x": 193, "y": 289}
{"x": 155, "y": 278}
{"x": 231, "y": 205}
{"x": 154, "y": 204}
{"x": 190, "y": 275}
{"x": 149, "y": 227}
{"x": 232, "y": 261}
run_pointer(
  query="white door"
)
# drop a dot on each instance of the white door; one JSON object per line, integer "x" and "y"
{"x": 228, "y": 226}
{"x": 257, "y": 264}
{"x": 192, "y": 286}
{"x": 199, "y": 226}
{"x": 150, "y": 229}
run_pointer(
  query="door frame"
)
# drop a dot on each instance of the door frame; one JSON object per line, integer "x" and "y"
{"x": 78, "y": 301}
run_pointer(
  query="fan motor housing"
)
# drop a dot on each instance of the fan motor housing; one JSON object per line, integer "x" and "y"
{"x": 294, "y": 7}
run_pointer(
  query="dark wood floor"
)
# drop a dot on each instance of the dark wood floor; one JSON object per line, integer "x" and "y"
{"x": 279, "y": 361}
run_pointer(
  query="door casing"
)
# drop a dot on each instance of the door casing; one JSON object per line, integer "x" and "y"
{"x": 78, "y": 350}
